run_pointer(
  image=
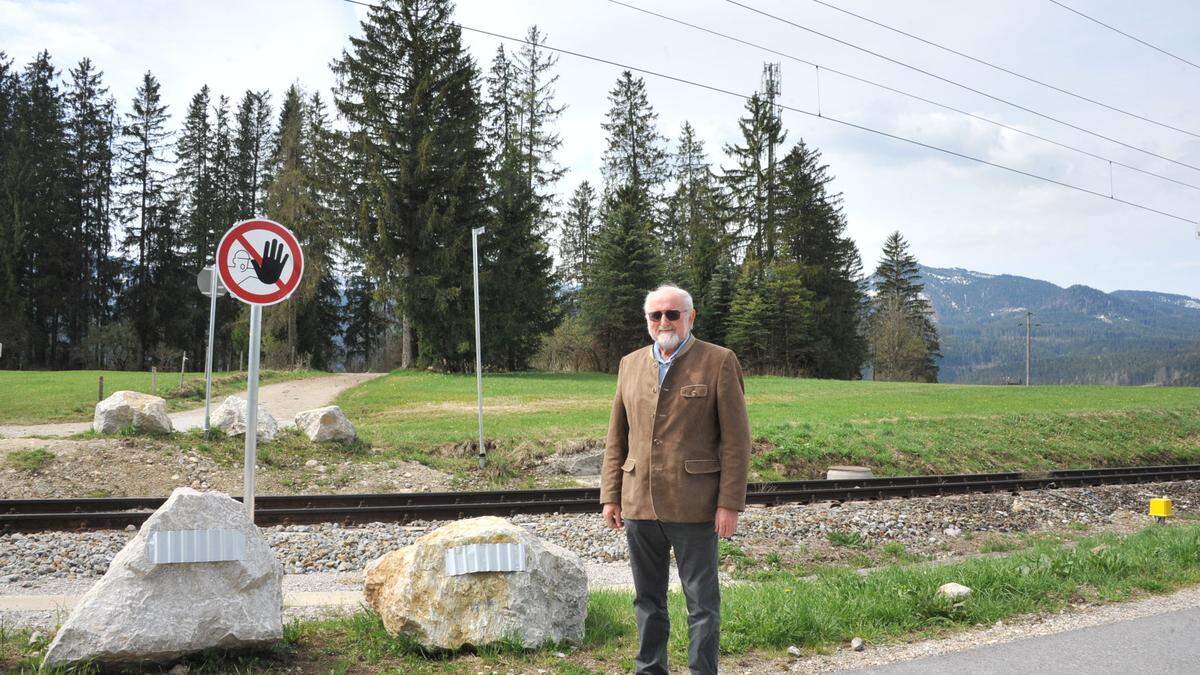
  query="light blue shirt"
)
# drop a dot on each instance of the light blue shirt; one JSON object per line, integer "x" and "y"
{"x": 665, "y": 364}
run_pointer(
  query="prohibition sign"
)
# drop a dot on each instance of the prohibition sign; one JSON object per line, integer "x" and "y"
{"x": 260, "y": 261}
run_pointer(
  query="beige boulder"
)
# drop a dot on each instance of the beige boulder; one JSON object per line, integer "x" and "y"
{"x": 325, "y": 424}
{"x": 415, "y": 595}
{"x": 124, "y": 409}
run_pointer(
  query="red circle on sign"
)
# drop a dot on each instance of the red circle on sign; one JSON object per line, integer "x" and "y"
{"x": 235, "y": 234}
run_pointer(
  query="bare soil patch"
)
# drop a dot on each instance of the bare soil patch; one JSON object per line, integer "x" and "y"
{"x": 139, "y": 467}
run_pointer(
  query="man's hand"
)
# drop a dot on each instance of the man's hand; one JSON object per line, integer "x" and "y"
{"x": 612, "y": 516}
{"x": 273, "y": 260}
{"x": 726, "y": 521}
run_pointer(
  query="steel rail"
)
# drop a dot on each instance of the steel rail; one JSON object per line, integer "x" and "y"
{"x": 30, "y": 515}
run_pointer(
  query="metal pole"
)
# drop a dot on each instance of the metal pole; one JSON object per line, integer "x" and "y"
{"x": 154, "y": 379}
{"x": 101, "y": 395}
{"x": 475, "y": 232}
{"x": 182, "y": 364}
{"x": 252, "y": 411}
{"x": 1028, "y": 344}
{"x": 208, "y": 358}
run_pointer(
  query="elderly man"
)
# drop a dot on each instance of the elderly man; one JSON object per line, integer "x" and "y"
{"x": 674, "y": 474}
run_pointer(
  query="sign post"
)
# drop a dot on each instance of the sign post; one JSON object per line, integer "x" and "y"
{"x": 475, "y": 232}
{"x": 260, "y": 262}
{"x": 209, "y": 283}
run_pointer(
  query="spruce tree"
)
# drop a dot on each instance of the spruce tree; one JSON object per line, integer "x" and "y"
{"x": 409, "y": 92}
{"x": 515, "y": 277}
{"x": 577, "y": 236}
{"x": 753, "y": 181}
{"x": 896, "y": 286}
{"x": 91, "y": 130}
{"x": 250, "y": 152}
{"x": 46, "y": 214}
{"x": 635, "y": 157}
{"x": 12, "y": 236}
{"x": 693, "y": 236}
{"x": 625, "y": 268}
{"x": 812, "y": 230}
{"x": 538, "y": 139}
{"x": 147, "y": 211}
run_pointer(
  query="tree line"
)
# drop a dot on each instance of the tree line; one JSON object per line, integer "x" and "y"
{"x": 105, "y": 218}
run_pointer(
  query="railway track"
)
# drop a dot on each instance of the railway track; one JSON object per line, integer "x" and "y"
{"x": 33, "y": 515}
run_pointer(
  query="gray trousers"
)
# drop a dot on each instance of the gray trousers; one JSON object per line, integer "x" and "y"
{"x": 695, "y": 544}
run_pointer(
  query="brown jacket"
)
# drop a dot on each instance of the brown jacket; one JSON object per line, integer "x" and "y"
{"x": 677, "y": 452}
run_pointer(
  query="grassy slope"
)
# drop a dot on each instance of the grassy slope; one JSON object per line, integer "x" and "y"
{"x": 805, "y": 425}
{"x": 34, "y": 397}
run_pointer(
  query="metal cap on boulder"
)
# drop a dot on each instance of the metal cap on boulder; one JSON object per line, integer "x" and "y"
{"x": 230, "y": 417}
{"x": 198, "y": 575}
{"x": 134, "y": 409}
{"x": 326, "y": 424}
{"x": 479, "y": 581}
{"x": 848, "y": 473}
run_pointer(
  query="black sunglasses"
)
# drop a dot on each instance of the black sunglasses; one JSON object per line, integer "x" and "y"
{"x": 672, "y": 315}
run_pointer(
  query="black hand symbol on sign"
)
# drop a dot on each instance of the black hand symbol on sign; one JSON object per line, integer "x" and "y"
{"x": 273, "y": 260}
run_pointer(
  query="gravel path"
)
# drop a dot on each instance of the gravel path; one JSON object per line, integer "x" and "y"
{"x": 282, "y": 399}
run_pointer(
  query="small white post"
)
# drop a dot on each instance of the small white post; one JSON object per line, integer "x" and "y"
{"x": 208, "y": 357}
{"x": 475, "y": 232}
{"x": 252, "y": 411}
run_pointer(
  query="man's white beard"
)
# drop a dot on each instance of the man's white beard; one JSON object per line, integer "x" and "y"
{"x": 668, "y": 340}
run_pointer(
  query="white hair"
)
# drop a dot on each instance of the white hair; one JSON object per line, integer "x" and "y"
{"x": 687, "y": 297}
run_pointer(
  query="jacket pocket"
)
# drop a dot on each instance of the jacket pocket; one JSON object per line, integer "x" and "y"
{"x": 701, "y": 465}
{"x": 694, "y": 391}
{"x": 628, "y": 465}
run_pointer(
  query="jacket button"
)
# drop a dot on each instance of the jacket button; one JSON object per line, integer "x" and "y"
{"x": 653, "y": 390}
{"x": 658, "y": 441}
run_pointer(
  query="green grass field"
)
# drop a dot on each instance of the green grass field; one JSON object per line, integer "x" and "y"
{"x": 35, "y": 397}
{"x": 802, "y": 426}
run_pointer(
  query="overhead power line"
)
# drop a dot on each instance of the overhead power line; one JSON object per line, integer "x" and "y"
{"x": 1002, "y": 69}
{"x": 958, "y": 84}
{"x": 901, "y": 92}
{"x": 853, "y": 125}
{"x": 1131, "y": 37}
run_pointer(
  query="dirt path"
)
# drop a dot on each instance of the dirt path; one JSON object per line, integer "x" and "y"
{"x": 283, "y": 400}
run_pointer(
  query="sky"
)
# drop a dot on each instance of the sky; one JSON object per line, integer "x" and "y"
{"x": 953, "y": 211}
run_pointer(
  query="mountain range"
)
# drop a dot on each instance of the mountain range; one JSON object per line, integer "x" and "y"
{"x": 1080, "y": 335}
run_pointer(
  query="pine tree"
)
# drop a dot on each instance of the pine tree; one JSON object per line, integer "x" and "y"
{"x": 812, "y": 230}
{"x": 408, "y": 90}
{"x": 896, "y": 287}
{"x": 625, "y": 268}
{"x": 146, "y": 209}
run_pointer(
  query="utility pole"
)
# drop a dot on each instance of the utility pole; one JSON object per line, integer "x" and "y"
{"x": 1028, "y": 343}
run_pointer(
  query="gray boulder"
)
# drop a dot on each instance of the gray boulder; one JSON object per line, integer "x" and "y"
{"x": 325, "y": 424}
{"x": 415, "y": 594}
{"x": 140, "y": 611}
{"x": 230, "y": 417}
{"x": 123, "y": 409}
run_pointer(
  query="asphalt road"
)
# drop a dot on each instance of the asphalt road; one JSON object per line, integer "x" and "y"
{"x": 1164, "y": 643}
